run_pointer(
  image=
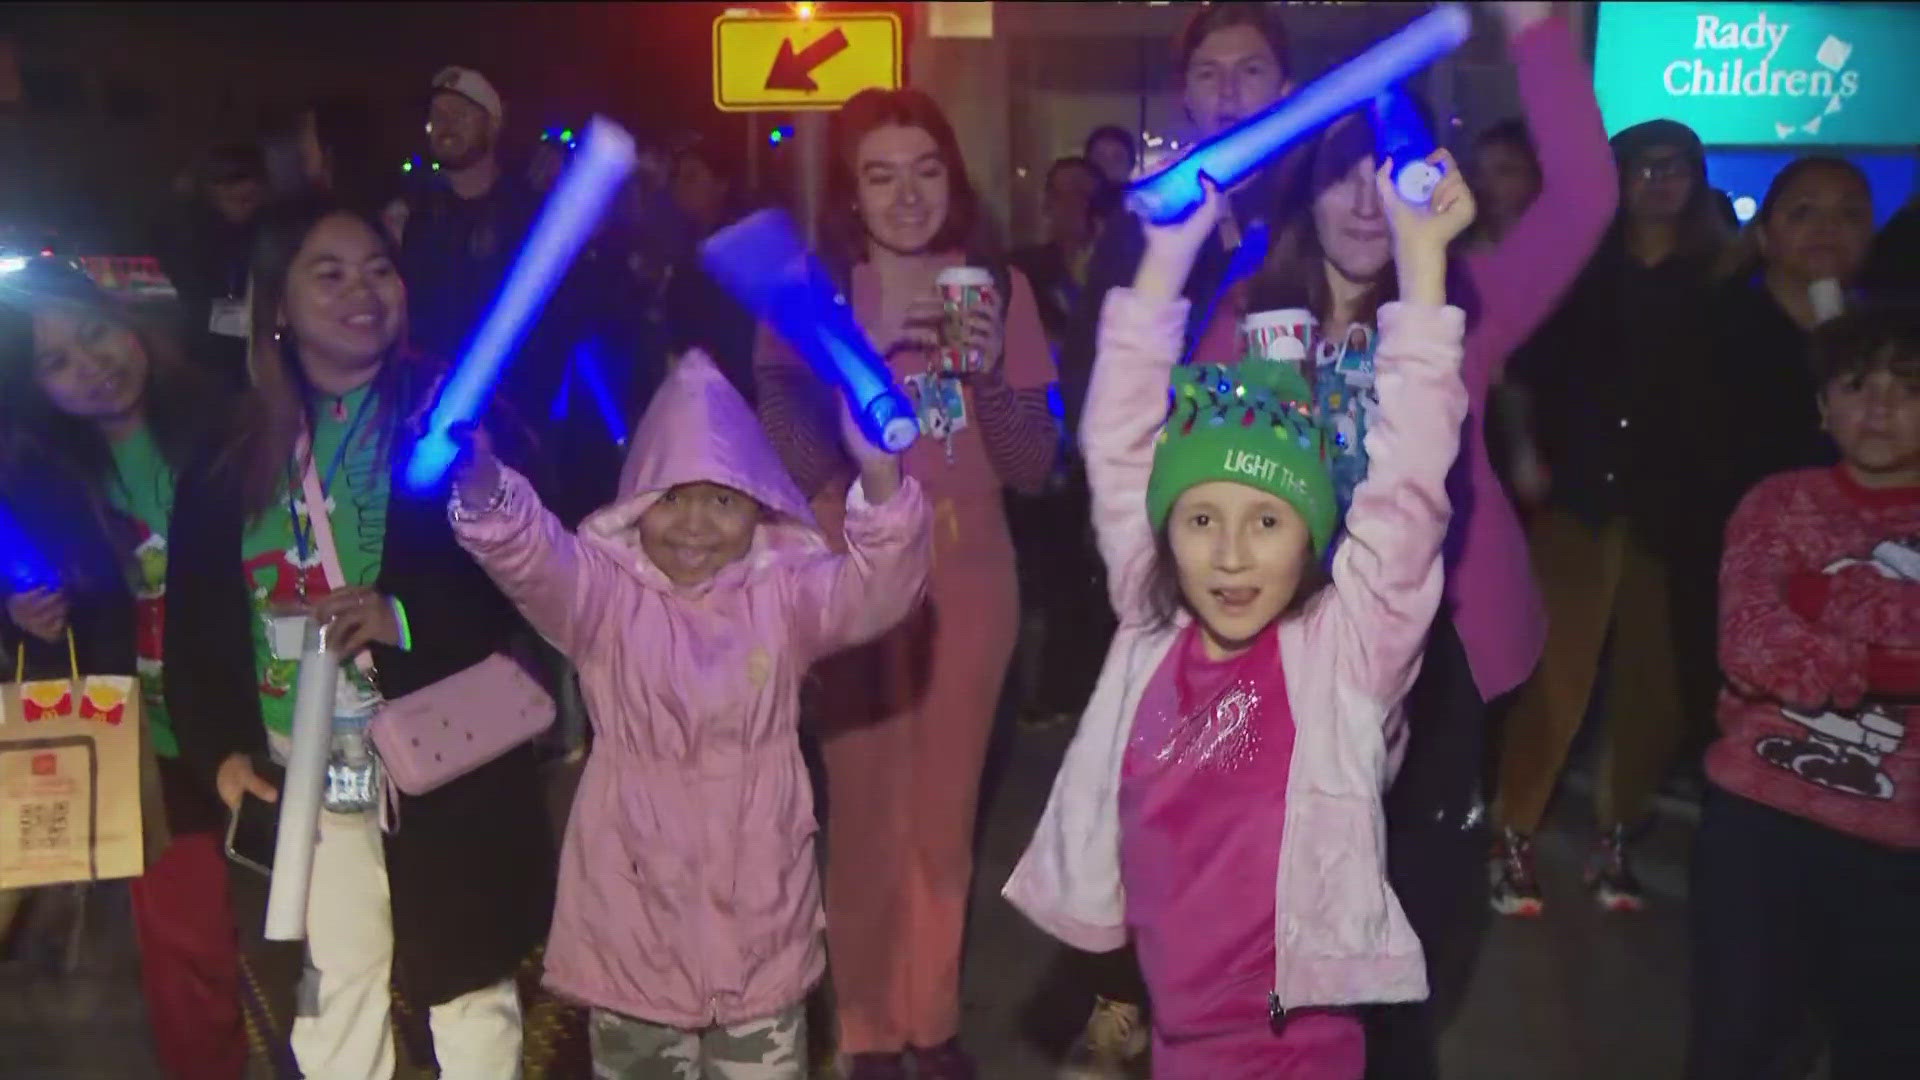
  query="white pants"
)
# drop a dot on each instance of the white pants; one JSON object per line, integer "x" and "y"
{"x": 343, "y": 1030}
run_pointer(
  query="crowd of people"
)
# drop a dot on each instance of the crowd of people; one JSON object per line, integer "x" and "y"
{"x": 1329, "y": 620}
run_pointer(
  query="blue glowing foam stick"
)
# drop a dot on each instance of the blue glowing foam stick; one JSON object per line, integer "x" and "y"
{"x": 591, "y": 178}
{"x": 1400, "y": 135}
{"x": 762, "y": 261}
{"x": 22, "y": 566}
{"x": 1235, "y": 154}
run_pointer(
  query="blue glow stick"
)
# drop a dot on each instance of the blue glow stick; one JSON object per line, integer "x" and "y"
{"x": 21, "y": 564}
{"x": 1399, "y": 135}
{"x": 1235, "y": 154}
{"x": 586, "y": 361}
{"x": 592, "y": 176}
{"x": 764, "y": 263}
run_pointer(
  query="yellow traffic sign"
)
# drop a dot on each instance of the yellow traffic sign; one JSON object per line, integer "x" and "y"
{"x": 764, "y": 63}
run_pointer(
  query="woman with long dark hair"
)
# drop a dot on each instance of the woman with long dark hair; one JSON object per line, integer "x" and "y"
{"x": 445, "y": 906}
{"x": 1335, "y": 252}
{"x": 98, "y": 414}
{"x": 911, "y": 715}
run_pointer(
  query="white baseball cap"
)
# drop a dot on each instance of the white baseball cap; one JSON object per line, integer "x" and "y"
{"x": 473, "y": 86}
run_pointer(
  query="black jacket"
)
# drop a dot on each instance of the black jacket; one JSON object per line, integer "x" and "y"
{"x": 1624, "y": 405}
{"x": 471, "y": 864}
{"x": 1766, "y": 391}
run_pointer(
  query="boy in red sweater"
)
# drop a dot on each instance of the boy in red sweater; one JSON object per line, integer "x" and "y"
{"x": 1806, "y": 873}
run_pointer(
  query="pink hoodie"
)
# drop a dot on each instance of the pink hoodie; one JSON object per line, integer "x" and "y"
{"x": 1349, "y": 658}
{"x": 688, "y": 892}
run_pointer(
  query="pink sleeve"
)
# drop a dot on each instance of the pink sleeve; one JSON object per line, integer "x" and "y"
{"x": 1139, "y": 344}
{"x": 1518, "y": 281}
{"x": 1016, "y": 423}
{"x": 1763, "y": 644}
{"x": 1387, "y": 572}
{"x": 561, "y": 585}
{"x": 839, "y": 601}
{"x": 792, "y": 410}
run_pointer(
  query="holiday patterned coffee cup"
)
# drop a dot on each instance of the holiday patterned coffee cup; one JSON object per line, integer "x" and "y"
{"x": 962, "y": 290}
{"x": 1285, "y": 334}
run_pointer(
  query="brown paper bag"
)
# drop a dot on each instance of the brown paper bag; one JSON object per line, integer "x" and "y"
{"x": 71, "y": 780}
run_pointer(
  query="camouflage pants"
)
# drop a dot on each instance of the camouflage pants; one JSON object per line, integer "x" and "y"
{"x": 770, "y": 1049}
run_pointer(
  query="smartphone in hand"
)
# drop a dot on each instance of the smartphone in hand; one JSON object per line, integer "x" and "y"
{"x": 254, "y": 828}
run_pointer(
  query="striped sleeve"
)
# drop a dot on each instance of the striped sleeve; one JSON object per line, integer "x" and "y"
{"x": 797, "y": 416}
{"x": 1020, "y": 435}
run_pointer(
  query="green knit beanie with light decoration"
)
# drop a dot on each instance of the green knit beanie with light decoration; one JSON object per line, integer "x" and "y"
{"x": 1251, "y": 423}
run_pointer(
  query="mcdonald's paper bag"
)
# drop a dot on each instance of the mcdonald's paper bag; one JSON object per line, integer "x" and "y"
{"x": 71, "y": 781}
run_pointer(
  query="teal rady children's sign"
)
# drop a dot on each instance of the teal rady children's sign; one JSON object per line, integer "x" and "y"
{"x": 1763, "y": 74}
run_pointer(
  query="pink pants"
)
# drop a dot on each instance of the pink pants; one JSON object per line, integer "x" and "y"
{"x": 190, "y": 961}
{"x": 907, "y": 723}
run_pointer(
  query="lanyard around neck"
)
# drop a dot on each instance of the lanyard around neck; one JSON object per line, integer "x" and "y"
{"x": 303, "y": 538}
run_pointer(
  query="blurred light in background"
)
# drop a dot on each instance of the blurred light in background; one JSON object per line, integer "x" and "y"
{"x": 780, "y": 133}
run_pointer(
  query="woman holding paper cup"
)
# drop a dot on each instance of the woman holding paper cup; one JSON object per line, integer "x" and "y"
{"x": 445, "y": 907}
{"x": 98, "y": 413}
{"x": 904, "y": 764}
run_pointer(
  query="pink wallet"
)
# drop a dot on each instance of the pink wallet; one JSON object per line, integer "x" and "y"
{"x": 444, "y": 731}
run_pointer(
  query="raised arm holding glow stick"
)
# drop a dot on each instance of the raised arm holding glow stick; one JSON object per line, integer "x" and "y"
{"x": 764, "y": 263}
{"x": 567, "y": 219}
{"x": 1400, "y": 136}
{"x": 1235, "y": 154}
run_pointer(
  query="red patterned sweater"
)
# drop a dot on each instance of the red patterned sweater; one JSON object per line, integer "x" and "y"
{"x": 1820, "y": 643}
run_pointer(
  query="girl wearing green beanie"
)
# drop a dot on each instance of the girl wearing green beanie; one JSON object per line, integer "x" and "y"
{"x": 1221, "y": 803}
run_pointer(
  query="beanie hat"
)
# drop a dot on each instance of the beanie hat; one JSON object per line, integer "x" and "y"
{"x": 1251, "y": 423}
{"x": 1640, "y": 138}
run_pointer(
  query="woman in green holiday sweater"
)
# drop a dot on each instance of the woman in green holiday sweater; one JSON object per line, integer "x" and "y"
{"x": 97, "y": 413}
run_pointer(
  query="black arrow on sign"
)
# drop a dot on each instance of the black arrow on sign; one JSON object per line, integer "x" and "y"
{"x": 794, "y": 70}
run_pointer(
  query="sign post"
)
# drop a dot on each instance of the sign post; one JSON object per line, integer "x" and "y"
{"x": 807, "y": 62}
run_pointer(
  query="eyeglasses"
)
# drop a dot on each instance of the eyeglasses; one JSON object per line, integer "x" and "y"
{"x": 1660, "y": 169}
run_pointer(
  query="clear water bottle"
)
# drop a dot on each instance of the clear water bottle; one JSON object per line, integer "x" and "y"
{"x": 353, "y": 769}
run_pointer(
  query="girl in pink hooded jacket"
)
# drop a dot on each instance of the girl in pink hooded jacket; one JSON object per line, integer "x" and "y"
{"x": 688, "y": 914}
{"x": 1221, "y": 801}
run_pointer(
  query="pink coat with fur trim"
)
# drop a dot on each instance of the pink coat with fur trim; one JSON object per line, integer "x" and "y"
{"x": 688, "y": 891}
{"x": 1350, "y": 658}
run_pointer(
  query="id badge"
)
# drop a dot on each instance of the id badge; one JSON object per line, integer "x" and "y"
{"x": 287, "y": 636}
{"x": 229, "y": 318}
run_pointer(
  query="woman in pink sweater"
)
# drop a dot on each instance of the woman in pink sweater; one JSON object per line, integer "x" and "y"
{"x": 1221, "y": 801}
{"x": 908, "y": 721}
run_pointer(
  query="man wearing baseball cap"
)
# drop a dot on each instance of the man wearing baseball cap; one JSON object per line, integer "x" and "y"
{"x": 462, "y": 230}
{"x": 465, "y": 224}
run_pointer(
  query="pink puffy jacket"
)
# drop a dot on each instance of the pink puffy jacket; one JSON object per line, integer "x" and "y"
{"x": 688, "y": 893}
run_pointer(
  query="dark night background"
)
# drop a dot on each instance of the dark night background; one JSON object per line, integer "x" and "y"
{"x": 114, "y": 99}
